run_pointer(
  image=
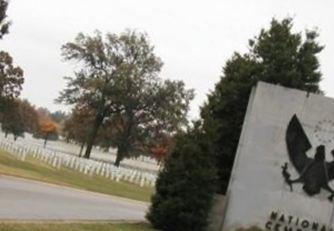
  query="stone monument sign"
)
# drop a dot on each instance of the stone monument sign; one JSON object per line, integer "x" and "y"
{"x": 283, "y": 174}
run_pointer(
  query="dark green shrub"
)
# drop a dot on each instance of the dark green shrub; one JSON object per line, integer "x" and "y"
{"x": 185, "y": 187}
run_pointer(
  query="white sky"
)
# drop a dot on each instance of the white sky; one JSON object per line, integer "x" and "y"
{"x": 193, "y": 38}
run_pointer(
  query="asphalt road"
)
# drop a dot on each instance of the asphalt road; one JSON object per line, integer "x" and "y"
{"x": 30, "y": 200}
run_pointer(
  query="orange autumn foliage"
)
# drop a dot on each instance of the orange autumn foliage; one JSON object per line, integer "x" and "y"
{"x": 159, "y": 152}
{"x": 48, "y": 126}
{"x": 162, "y": 150}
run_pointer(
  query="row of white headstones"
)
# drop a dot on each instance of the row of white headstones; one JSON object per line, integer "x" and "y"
{"x": 59, "y": 160}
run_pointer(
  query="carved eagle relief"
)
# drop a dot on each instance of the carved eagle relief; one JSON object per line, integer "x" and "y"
{"x": 315, "y": 173}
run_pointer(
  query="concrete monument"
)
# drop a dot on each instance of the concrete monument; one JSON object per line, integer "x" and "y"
{"x": 282, "y": 178}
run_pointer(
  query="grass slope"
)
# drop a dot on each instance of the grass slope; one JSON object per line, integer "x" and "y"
{"x": 36, "y": 170}
{"x": 75, "y": 227}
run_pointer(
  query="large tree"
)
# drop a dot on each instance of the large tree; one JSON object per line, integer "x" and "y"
{"x": 4, "y": 23}
{"x": 119, "y": 81}
{"x": 277, "y": 55}
{"x": 76, "y": 126}
{"x": 104, "y": 62}
{"x": 11, "y": 79}
{"x": 151, "y": 109}
{"x": 12, "y": 121}
{"x": 19, "y": 117}
{"x": 11, "y": 76}
{"x": 29, "y": 116}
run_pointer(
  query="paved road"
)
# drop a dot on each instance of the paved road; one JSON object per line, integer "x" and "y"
{"x": 30, "y": 200}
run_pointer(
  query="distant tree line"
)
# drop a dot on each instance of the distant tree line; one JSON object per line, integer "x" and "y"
{"x": 20, "y": 117}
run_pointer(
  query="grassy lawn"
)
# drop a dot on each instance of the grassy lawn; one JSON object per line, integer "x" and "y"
{"x": 75, "y": 227}
{"x": 36, "y": 170}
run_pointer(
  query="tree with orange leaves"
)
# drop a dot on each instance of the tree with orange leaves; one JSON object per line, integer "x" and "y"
{"x": 159, "y": 152}
{"x": 162, "y": 148}
{"x": 47, "y": 127}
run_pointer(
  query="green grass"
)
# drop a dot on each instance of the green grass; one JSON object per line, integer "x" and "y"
{"x": 75, "y": 227}
{"x": 36, "y": 170}
{"x": 253, "y": 228}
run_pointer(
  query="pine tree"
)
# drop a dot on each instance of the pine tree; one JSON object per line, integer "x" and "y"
{"x": 276, "y": 55}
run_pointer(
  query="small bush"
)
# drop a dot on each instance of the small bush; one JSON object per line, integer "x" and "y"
{"x": 185, "y": 187}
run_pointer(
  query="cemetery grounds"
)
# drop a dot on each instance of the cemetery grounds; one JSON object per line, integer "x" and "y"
{"x": 59, "y": 164}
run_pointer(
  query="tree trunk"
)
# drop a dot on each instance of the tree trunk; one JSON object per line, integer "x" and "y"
{"x": 123, "y": 146}
{"x": 106, "y": 149}
{"x": 81, "y": 148}
{"x": 121, "y": 153}
{"x": 45, "y": 140}
{"x": 119, "y": 158}
{"x": 90, "y": 141}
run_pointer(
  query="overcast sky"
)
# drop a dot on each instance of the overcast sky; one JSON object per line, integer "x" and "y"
{"x": 193, "y": 38}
